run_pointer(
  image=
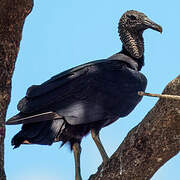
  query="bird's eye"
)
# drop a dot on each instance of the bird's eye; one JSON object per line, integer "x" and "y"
{"x": 132, "y": 17}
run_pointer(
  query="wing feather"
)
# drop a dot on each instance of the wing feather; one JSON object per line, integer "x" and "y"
{"x": 19, "y": 119}
{"x": 86, "y": 93}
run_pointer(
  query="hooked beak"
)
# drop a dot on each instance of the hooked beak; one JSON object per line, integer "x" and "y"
{"x": 152, "y": 25}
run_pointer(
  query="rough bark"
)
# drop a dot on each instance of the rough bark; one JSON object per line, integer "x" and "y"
{"x": 148, "y": 145}
{"x": 12, "y": 16}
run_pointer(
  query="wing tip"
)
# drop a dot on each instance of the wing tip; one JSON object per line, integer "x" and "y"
{"x": 9, "y": 123}
{"x": 25, "y": 119}
{"x": 13, "y": 120}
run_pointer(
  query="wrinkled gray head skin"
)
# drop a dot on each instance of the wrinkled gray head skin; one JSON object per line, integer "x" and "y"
{"x": 131, "y": 26}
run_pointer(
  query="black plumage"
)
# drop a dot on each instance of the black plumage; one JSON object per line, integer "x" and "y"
{"x": 87, "y": 97}
{"x": 92, "y": 95}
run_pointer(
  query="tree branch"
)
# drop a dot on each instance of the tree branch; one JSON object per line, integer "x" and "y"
{"x": 148, "y": 145}
{"x": 12, "y": 16}
{"x": 166, "y": 96}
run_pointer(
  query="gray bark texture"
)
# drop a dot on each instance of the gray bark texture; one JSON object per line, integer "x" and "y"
{"x": 149, "y": 145}
{"x": 12, "y": 16}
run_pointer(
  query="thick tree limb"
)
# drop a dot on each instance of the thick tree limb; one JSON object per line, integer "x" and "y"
{"x": 150, "y": 144}
{"x": 12, "y": 16}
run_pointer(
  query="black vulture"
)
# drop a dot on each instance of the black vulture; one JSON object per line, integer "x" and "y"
{"x": 88, "y": 97}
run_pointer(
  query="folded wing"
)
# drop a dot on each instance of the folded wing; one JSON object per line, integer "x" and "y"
{"x": 84, "y": 94}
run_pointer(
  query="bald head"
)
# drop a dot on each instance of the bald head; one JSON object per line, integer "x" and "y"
{"x": 136, "y": 21}
{"x": 131, "y": 26}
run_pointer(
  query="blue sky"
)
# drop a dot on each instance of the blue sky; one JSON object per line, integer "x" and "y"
{"x": 58, "y": 35}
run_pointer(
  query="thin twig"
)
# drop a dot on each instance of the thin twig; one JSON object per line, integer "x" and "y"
{"x": 166, "y": 96}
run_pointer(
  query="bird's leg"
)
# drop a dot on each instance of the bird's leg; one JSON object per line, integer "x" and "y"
{"x": 99, "y": 145}
{"x": 77, "y": 151}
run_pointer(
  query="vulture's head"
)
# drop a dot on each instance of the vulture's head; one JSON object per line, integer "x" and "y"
{"x": 137, "y": 22}
{"x": 131, "y": 26}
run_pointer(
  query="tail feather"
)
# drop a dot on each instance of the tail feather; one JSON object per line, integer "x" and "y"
{"x": 43, "y": 133}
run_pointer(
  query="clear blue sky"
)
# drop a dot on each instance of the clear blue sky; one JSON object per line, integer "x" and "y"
{"x": 61, "y": 34}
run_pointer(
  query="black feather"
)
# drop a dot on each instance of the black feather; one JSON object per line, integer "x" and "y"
{"x": 92, "y": 95}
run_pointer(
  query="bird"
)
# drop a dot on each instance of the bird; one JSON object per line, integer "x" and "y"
{"x": 88, "y": 97}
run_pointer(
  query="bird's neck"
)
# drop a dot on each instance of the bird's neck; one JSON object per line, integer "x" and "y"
{"x": 139, "y": 61}
{"x": 133, "y": 46}
{"x": 133, "y": 42}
